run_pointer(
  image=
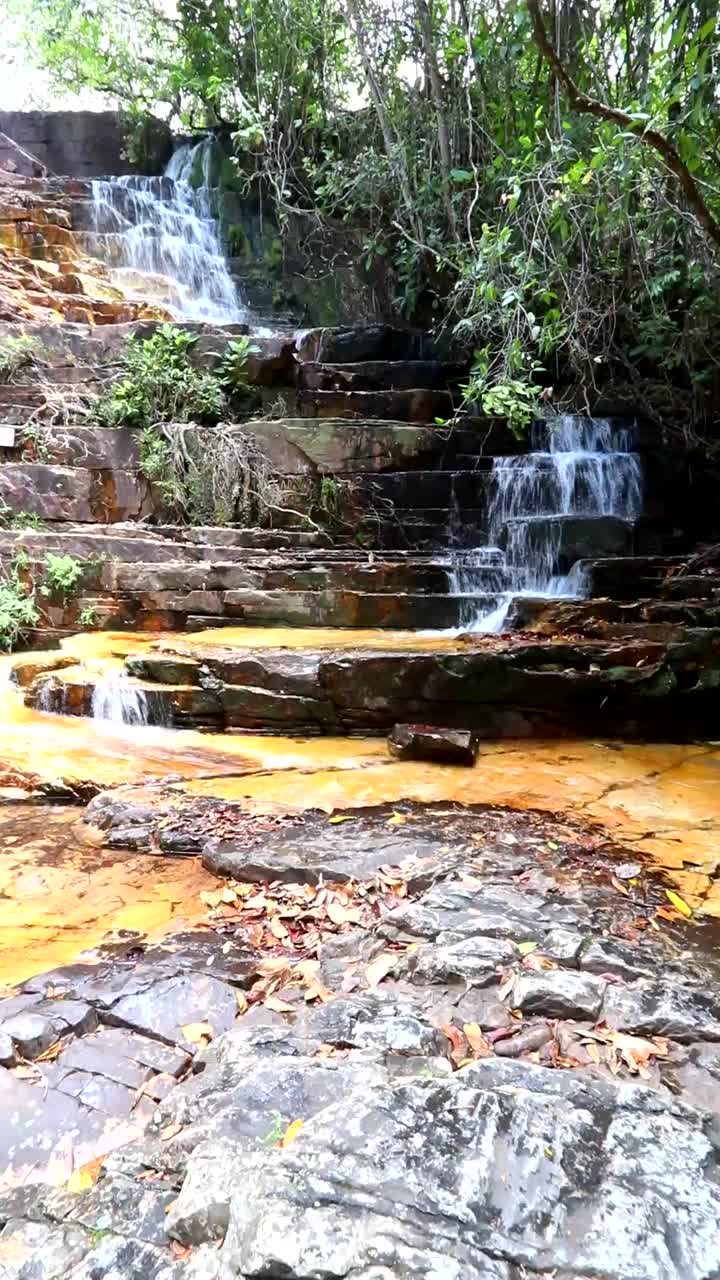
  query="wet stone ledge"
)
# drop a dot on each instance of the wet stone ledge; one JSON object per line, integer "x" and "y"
{"x": 488, "y": 1022}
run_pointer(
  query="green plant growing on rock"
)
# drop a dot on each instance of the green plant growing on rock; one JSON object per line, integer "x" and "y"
{"x": 161, "y": 385}
{"x": 18, "y": 607}
{"x": 62, "y": 575}
{"x": 233, "y": 368}
{"x": 15, "y": 354}
{"x": 88, "y": 617}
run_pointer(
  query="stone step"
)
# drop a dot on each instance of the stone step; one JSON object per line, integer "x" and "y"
{"x": 198, "y": 608}
{"x": 73, "y": 493}
{"x": 636, "y": 687}
{"x": 416, "y": 405}
{"x": 379, "y": 375}
{"x": 431, "y": 489}
{"x": 369, "y": 343}
{"x": 571, "y": 538}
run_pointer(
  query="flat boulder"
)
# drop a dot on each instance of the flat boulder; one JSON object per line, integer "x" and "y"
{"x": 428, "y": 742}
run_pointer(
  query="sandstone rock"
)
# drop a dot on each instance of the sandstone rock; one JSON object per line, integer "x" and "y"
{"x": 330, "y": 1205}
{"x": 423, "y": 742}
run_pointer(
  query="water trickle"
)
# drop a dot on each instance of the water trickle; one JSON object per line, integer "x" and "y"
{"x": 118, "y": 702}
{"x": 162, "y": 240}
{"x": 578, "y": 467}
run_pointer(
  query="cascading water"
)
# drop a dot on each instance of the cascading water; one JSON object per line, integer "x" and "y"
{"x": 579, "y": 467}
{"x": 117, "y": 702}
{"x": 162, "y": 240}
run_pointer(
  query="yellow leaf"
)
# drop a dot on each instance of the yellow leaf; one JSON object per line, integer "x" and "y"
{"x": 85, "y": 1178}
{"x": 210, "y": 899}
{"x": 678, "y": 902}
{"x": 228, "y": 894}
{"x": 197, "y": 1032}
{"x": 397, "y": 820}
{"x": 291, "y": 1132}
{"x": 241, "y": 1001}
{"x": 339, "y": 817}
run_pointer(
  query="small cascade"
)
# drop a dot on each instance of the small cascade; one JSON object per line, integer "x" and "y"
{"x": 577, "y": 468}
{"x": 161, "y": 239}
{"x": 117, "y": 702}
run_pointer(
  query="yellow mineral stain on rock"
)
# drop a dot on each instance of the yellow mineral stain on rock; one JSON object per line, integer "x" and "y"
{"x": 61, "y": 892}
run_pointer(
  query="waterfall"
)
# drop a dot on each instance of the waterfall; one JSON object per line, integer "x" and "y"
{"x": 578, "y": 467}
{"x": 117, "y": 701}
{"x": 161, "y": 239}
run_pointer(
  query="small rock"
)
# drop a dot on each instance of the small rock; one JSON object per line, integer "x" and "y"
{"x": 8, "y": 1057}
{"x": 526, "y": 1041}
{"x": 426, "y": 742}
{"x": 474, "y": 960}
{"x": 559, "y": 993}
{"x": 30, "y": 1033}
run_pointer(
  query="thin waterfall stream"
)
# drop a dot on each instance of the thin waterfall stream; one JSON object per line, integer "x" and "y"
{"x": 578, "y": 468}
{"x": 161, "y": 238}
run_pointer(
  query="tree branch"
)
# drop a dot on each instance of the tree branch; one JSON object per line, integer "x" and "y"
{"x": 592, "y": 106}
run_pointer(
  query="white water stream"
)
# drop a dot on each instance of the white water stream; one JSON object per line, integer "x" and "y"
{"x": 580, "y": 467}
{"x": 117, "y": 702}
{"x": 162, "y": 239}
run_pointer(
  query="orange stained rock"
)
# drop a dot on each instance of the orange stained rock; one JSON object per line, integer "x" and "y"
{"x": 61, "y": 892}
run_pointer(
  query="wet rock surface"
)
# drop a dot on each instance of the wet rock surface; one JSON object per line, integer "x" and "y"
{"x": 490, "y": 1047}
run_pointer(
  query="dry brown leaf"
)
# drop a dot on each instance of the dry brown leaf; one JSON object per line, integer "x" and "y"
{"x": 538, "y": 962}
{"x": 197, "y": 1032}
{"x": 342, "y": 915}
{"x": 273, "y": 964}
{"x": 291, "y": 1132}
{"x": 316, "y": 990}
{"x": 170, "y": 1131}
{"x": 51, "y": 1053}
{"x": 277, "y": 929}
{"x": 180, "y": 1251}
{"x": 380, "y": 967}
{"x": 279, "y": 1006}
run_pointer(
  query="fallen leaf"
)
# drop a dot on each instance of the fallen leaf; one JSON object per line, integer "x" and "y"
{"x": 180, "y": 1251}
{"x": 455, "y": 1036}
{"x": 86, "y": 1177}
{"x": 618, "y": 884}
{"x": 197, "y": 1032}
{"x": 170, "y": 1131}
{"x": 228, "y": 894}
{"x": 475, "y": 1038}
{"x": 242, "y": 1003}
{"x": 678, "y": 902}
{"x": 52, "y": 1052}
{"x": 380, "y": 967}
{"x": 538, "y": 962}
{"x": 279, "y": 1006}
{"x": 339, "y": 817}
{"x": 210, "y": 899}
{"x": 526, "y": 947}
{"x": 342, "y": 915}
{"x": 397, "y": 820}
{"x": 291, "y": 1132}
{"x": 277, "y": 929}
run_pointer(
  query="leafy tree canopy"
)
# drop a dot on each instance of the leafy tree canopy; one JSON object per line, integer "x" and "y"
{"x": 544, "y": 178}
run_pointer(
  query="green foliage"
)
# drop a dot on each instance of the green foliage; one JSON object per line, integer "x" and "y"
{"x": 161, "y": 385}
{"x": 233, "y": 367}
{"x": 15, "y": 354}
{"x": 88, "y": 617}
{"x": 62, "y": 575}
{"x": 18, "y": 608}
{"x": 556, "y": 240}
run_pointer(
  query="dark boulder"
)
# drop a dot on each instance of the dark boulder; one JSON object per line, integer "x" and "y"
{"x": 424, "y": 742}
